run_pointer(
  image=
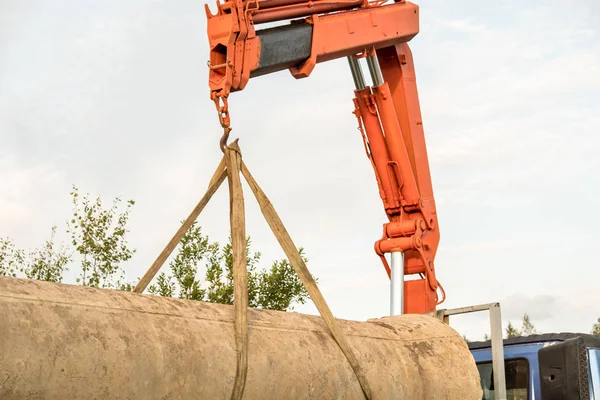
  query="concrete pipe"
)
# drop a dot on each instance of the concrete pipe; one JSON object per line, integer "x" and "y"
{"x": 63, "y": 342}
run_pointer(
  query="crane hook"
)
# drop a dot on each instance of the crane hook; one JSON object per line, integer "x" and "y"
{"x": 223, "y": 110}
{"x": 224, "y": 138}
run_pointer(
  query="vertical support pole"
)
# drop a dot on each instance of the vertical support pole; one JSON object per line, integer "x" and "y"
{"x": 397, "y": 284}
{"x": 496, "y": 340}
{"x": 497, "y": 352}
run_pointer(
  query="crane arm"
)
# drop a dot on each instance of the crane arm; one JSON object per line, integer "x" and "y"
{"x": 388, "y": 112}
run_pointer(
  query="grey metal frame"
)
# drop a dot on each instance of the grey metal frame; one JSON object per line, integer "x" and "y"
{"x": 496, "y": 339}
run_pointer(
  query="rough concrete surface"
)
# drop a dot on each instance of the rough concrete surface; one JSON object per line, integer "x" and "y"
{"x": 63, "y": 342}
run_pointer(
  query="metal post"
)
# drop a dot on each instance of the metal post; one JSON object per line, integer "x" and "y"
{"x": 357, "y": 75}
{"x": 397, "y": 284}
{"x": 496, "y": 341}
{"x": 497, "y": 352}
{"x": 375, "y": 70}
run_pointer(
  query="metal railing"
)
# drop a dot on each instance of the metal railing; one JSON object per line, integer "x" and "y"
{"x": 496, "y": 340}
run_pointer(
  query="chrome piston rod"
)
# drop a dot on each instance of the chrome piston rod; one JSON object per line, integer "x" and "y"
{"x": 397, "y": 284}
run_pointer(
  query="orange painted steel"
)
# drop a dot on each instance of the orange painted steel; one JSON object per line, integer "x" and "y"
{"x": 301, "y": 9}
{"x": 377, "y": 151}
{"x": 388, "y": 114}
{"x": 235, "y": 48}
{"x": 413, "y": 229}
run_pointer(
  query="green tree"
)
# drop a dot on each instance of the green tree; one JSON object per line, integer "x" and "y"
{"x": 11, "y": 258}
{"x": 596, "y": 328}
{"x": 46, "y": 263}
{"x": 528, "y": 328}
{"x": 277, "y": 288}
{"x": 99, "y": 248}
{"x": 486, "y": 337}
{"x": 98, "y": 235}
{"x": 511, "y": 331}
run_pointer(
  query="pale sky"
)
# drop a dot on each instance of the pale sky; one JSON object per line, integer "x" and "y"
{"x": 112, "y": 96}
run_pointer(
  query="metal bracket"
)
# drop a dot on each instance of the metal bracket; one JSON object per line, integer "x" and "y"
{"x": 496, "y": 339}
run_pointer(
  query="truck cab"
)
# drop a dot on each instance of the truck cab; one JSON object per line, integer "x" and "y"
{"x": 548, "y": 364}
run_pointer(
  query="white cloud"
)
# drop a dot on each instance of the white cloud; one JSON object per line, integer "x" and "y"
{"x": 21, "y": 187}
{"x": 463, "y": 25}
{"x": 538, "y": 307}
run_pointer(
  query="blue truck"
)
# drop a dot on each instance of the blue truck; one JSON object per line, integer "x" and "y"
{"x": 544, "y": 366}
{"x": 549, "y": 366}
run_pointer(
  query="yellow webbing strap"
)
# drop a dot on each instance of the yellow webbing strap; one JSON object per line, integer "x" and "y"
{"x": 240, "y": 285}
{"x": 309, "y": 283}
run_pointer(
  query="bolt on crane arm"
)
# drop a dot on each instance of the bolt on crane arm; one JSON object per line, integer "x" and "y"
{"x": 388, "y": 112}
